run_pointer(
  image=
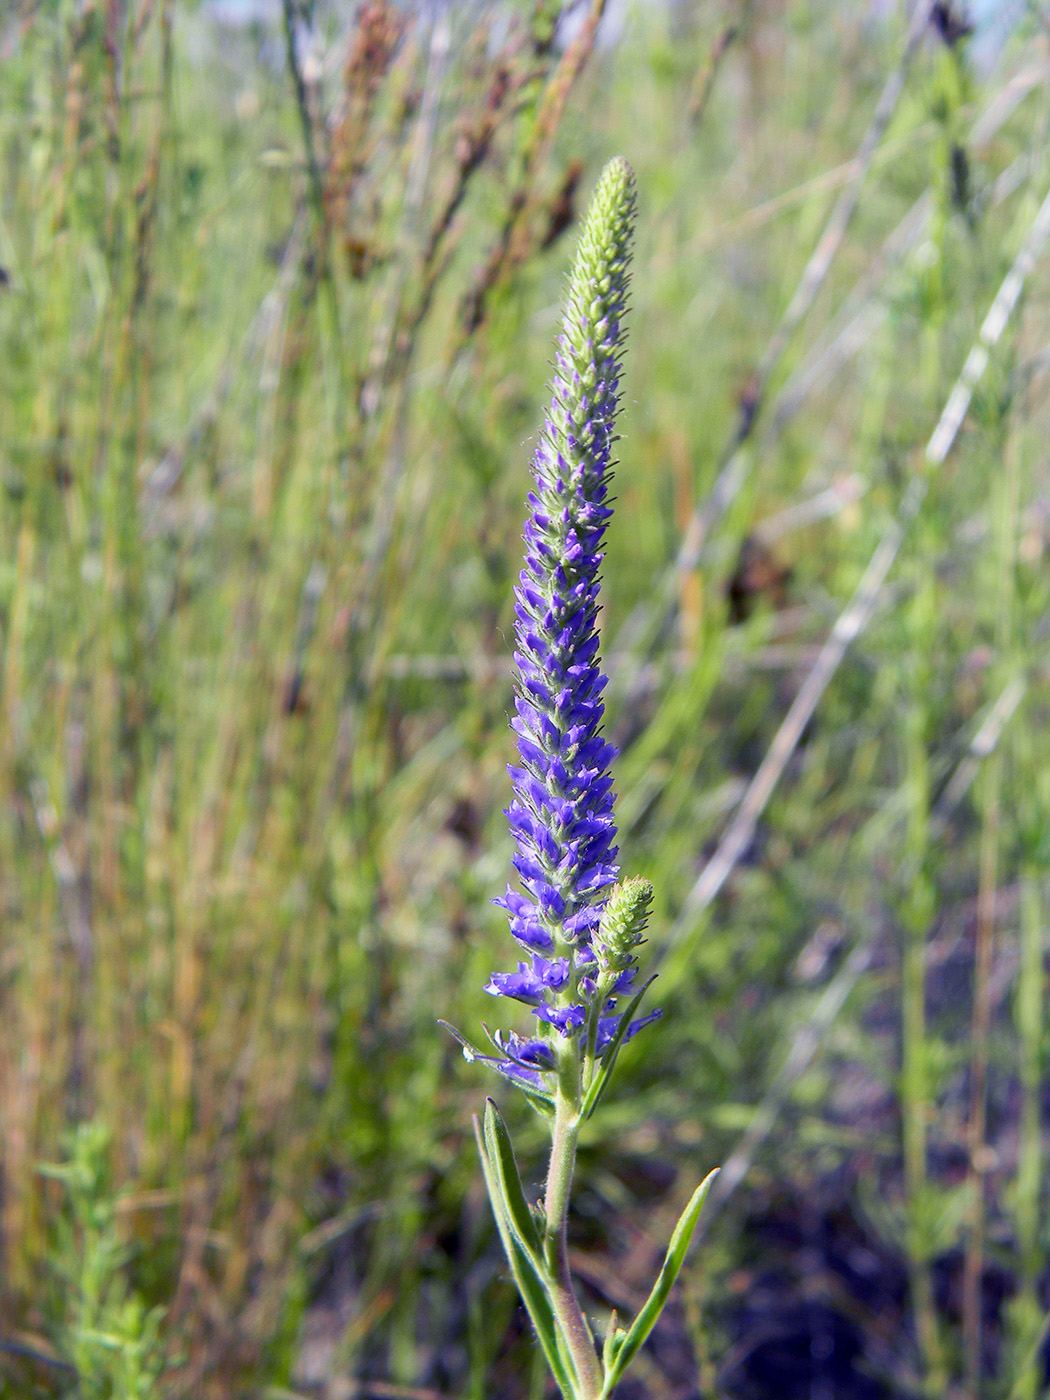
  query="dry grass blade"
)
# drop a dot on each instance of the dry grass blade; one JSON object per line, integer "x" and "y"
{"x": 704, "y": 82}
{"x": 809, "y": 1037}
{"x": 853, "y": 322}
{"x": 857, "y": 613}
{"x": 422, "y": 150}
{"x": 734, "y": 466}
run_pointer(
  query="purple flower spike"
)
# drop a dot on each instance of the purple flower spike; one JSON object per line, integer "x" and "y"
{"x": 562, "y": 810}
{"x": 576, "y": 925}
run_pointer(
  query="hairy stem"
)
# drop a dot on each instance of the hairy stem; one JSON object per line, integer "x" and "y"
{"x": 571, "y": 1321}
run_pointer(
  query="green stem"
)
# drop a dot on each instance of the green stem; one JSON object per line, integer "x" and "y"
{"x": 571, "y": 1321}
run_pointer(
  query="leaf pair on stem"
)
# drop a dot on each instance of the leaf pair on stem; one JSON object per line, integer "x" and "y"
{"x": 525, "y": 1240}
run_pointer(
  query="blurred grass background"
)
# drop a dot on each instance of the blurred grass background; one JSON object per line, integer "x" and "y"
{"x": 275, "y": 316}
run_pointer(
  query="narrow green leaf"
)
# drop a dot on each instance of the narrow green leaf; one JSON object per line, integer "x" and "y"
{"x": 541, "y": 1102}
{"x": 470, "y": 1050}
{"x": 644, "y": 1323}
{"x": 594, "y": 1093}
{"x": 537, "y": 1304}
{"x": 501, "y": 1155}
{"x": 530, "y": 1282}
{"x": 613, "y": 1342}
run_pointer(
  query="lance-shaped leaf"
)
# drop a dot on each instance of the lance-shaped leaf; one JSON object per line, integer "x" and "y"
{"x": 529, "y": 1277}
{"x": 501, "y": 1157}
{"x": 620, "y": 1353}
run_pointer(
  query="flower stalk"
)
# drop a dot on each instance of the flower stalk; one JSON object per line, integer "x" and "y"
{"x": 578, "y": 928}
{"x": 566, "y": 1307}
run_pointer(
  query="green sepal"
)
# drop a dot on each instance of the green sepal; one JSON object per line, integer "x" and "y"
{"x": 530, "y": 1279}
{"x": 643, "y": 1324}
{"x": 608, "y": 1060}
{"x": 520, "y": 1219}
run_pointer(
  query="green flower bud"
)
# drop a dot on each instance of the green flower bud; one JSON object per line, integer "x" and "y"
{"x": 623, "y": 923}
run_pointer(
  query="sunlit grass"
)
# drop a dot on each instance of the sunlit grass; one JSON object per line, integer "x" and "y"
{"x": 261, "y": 496}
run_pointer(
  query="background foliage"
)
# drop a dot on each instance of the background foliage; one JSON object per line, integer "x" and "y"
{"x": 275, "y": 310}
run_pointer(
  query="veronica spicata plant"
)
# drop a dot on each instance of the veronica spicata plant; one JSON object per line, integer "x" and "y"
{"x": 577, "y": 926}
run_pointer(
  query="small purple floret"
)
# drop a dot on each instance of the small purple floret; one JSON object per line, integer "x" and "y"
{"x": 530, "y": 984}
